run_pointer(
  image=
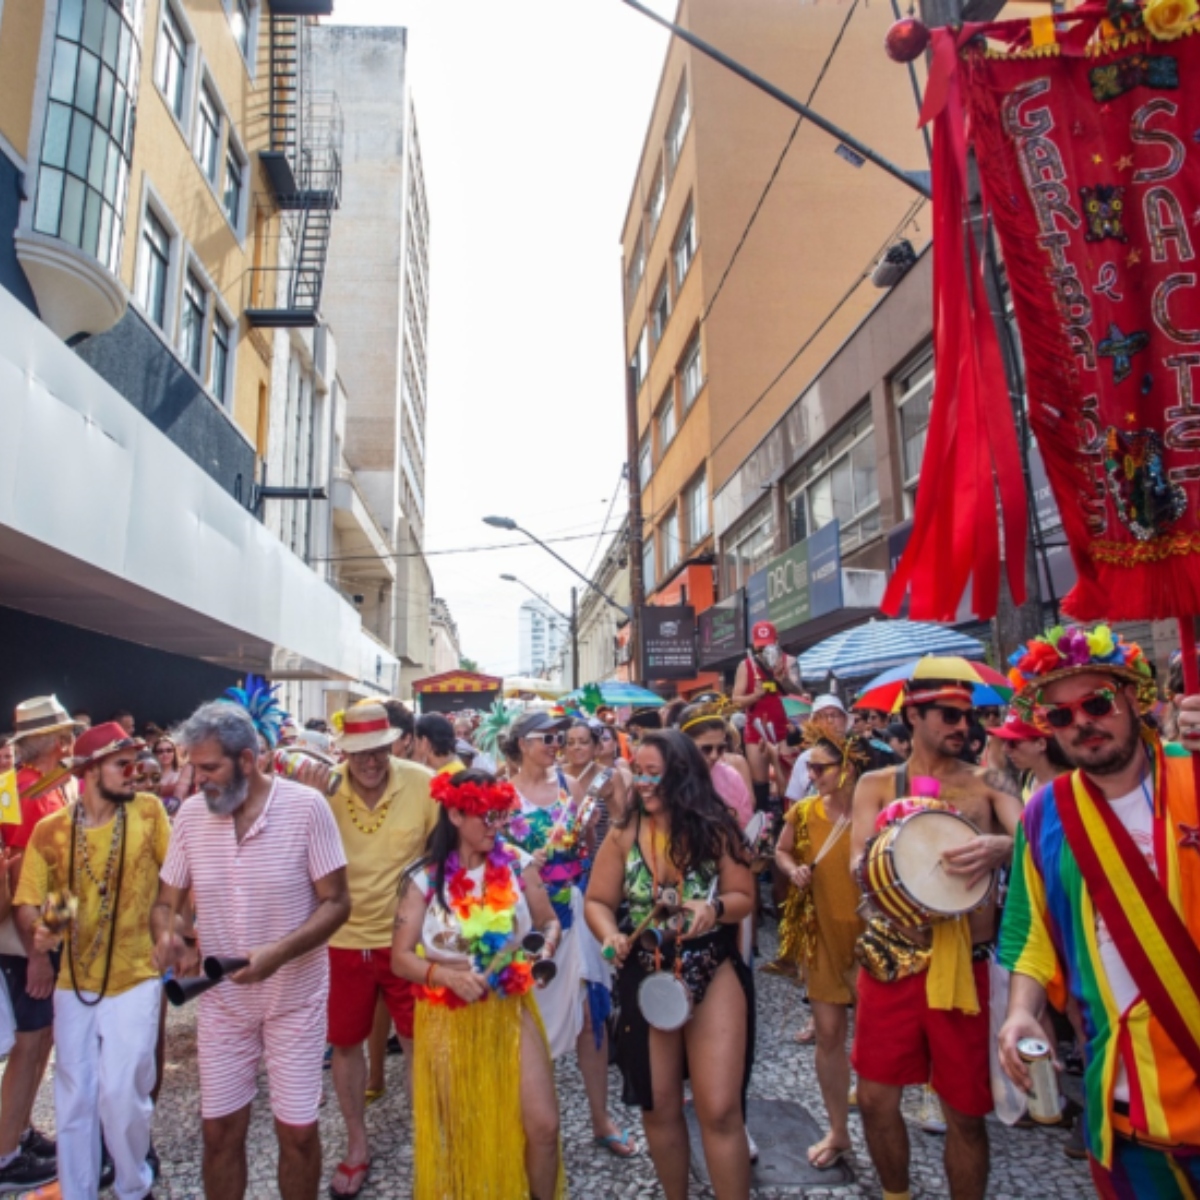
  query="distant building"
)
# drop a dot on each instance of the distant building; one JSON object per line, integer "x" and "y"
{"x": 376, "y": 297}
{"x": 445, "y": 650}
{"x": 542, "y": 639}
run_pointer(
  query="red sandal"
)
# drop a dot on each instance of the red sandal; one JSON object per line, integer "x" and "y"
{"x": 353, "y": 1177}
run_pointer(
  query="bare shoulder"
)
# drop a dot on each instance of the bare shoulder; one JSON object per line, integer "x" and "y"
{"x": 876, "y": 786}
{"x": 994, "y": 780}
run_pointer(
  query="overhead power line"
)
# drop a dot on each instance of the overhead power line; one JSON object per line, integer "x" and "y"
{"x": 574, "y": 537}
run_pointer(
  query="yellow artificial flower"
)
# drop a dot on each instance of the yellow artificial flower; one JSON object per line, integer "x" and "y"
{"x": 1100, "y": 640}
{"x": 485, "y": 920}
{"x": 1168, "y": 19}
{"x": 338, "y": 721}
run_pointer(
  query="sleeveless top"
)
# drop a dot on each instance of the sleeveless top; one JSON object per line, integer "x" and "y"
{"x": 769, "y": 710}
{"x": 639, "y": 881}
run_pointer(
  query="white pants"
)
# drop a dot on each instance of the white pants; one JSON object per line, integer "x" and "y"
{"x": 103, "y": 1076}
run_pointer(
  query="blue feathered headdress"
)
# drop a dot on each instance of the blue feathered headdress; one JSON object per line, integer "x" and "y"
{"x": 259, "y": 699}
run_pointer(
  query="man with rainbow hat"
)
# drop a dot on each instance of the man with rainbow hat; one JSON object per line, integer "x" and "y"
{"x": 1105, "y": 904}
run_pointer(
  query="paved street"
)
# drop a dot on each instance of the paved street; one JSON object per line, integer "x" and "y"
{"x": 1025, "y": 1163}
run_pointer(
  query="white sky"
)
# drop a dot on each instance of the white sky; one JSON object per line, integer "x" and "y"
{"x": 532, "y": 115}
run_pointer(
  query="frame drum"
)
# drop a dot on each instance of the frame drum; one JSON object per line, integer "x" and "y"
{"x": 902, "y": 873}
{"x": 665, "y": 1001}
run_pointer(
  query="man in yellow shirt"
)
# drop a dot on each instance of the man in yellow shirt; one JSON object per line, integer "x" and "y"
{"x": 385, "y": 813}
{"x": 105, "y": 852}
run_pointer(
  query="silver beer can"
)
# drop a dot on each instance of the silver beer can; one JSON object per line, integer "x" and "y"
{"x": 1045, "y": 1104}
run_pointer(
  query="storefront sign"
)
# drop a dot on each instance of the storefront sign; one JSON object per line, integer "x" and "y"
{"x": 723, "y": 629}
{"x": 668, "y": 642}
{"x": 799, "y": 584}
{"x": 787, "y": 587}
{"x": 825, "y": 569}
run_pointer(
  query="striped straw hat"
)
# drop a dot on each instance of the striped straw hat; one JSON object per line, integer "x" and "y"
{"x": 42, "y": 714}
{"x": 363, "y": 726}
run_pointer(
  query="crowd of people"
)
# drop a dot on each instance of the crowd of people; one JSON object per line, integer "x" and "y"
{"x": 499, "y": 890}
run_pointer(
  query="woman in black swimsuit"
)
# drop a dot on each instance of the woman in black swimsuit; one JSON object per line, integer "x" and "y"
{"x": 679, "y": 847}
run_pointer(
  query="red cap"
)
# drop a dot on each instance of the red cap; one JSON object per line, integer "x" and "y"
{"x": 763, "y": 634}
{"x": 1016, "y": 730}
{"x": 99, "y": 742}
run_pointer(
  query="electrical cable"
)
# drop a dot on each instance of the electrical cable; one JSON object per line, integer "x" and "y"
{"x": 607, "y": 517}
{"x": 812, "y": 95}
{"x": 574, "y": 537}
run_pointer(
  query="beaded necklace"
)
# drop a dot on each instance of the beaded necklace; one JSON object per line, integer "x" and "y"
{"x": 380, "y": 815}
{"x": 110, "y": 899}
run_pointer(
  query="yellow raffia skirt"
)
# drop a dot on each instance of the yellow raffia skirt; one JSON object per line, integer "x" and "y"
{"x": 469, "y": 1142}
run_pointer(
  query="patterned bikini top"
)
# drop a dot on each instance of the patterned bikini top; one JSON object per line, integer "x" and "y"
{"x": 639, "y": 882}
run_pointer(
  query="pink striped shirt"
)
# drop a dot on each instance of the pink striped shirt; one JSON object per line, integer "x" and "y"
{"x": 251, "y": 893}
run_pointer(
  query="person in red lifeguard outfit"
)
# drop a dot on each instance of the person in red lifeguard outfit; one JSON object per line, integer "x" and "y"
{"x": 762, "y": 679}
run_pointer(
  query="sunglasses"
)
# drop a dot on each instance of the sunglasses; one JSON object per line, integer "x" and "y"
{"x": 498, "y": 818}
{"x": 1100, "y": 703}
{"x": 647, "y": 780}
{"x": 816, "y": 770}
{"x": 712, "y": 751}
{"x": 952, "y": 715}
{"x": 547, "y": 739}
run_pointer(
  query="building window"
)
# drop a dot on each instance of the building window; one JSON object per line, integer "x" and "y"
{"x": 685, "y": 247}
{"x": 222, "y": 334}
{"x": 645, "y": 462}
{"x": 749, "y": 550}
{"x": 235, "y": 185}
{"x": 171, "y": 68}
{"x": 838, "y": 481}
{"x": 914, "y": 393}
{"x": 670, "y": 543}
{"x": 637, "y": 266}
{"x": 154, "y": 262}
{"x": 695, "y": 504}
{"x": 649, "y": 575}
{"x": 208, "y": 135}
{"x": 191, "y": 322}
{"x": 658, "y": 198}
{"x": 660, "y": 312}
{"x": 691, "y": 372}
{"x": 640, "y": 361}
{"x": 666, "y": 423}
{"x": 242, "y": 23}
{"x": 681, "y": 118}
{"x": 87, "y": 143}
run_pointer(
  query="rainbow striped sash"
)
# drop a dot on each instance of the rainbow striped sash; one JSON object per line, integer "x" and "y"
{"x": 1149, "y": 933}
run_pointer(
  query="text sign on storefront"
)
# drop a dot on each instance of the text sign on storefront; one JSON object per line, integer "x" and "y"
{"x": 825, "y": 569}
{"x": 723, "y": 629}
{"x": 668, "y": 642}
{"x": 787, "y": 587}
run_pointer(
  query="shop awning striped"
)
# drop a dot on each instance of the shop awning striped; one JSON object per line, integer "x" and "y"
{"x": 878, "y": 645}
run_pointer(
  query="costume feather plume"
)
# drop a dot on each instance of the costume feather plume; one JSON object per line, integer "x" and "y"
{"x": 259, "y": 699}
{"x": 494, "y": 726}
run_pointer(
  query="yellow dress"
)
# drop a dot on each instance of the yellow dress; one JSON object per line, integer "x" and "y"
{"x": 820, "y": 926}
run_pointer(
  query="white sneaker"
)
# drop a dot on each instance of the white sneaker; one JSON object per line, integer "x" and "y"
{"x": 929, "y": 1116}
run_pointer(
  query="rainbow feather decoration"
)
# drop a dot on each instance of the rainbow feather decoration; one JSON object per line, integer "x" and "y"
{"x": 259, "y": 699}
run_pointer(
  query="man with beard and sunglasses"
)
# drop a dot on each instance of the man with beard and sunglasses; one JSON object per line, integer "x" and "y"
{"x": 104, "y": 852}
{"x": 263, "y": 860}
{"x": 923, "y": 1009}
{"x": 1104, "y": 906}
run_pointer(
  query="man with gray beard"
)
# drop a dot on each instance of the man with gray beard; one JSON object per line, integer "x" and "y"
{"x": 263, "y": 859}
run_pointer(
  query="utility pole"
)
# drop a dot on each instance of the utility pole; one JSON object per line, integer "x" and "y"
{"x": 637, "y": 585}
{"x": 574, "y": 638}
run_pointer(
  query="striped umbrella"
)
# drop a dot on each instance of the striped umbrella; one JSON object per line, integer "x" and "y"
{"x": 618, "y": 694}
{"x": 879, "y": 645}
{"x": 988, "y": 687}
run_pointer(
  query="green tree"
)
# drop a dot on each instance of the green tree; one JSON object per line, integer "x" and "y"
{"x": 467, "y": 664}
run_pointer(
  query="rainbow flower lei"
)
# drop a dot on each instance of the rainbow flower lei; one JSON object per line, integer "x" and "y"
{"x": 486, "y": 923}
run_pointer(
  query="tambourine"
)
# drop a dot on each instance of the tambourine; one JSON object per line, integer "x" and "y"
{"x": 665, "y": 1001}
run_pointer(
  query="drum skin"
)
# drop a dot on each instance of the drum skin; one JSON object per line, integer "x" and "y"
{"x": 902, "y": 873}
{"x": 665, "y": 1001}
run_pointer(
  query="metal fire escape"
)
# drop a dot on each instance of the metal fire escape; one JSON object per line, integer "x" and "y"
{"x": 304, "y": 165}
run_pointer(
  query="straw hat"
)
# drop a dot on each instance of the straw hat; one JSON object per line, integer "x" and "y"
{"x": 363, "y": 726}
{"x": 42, "y": 714}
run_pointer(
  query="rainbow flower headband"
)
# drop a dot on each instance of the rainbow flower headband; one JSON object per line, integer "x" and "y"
{"x": 1071, "y": 650}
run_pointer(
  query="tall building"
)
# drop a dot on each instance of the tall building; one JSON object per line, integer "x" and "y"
{"x": 377, "y": 298}
{"x": 747, "y": 245}
{"x": 170, "y": 172}
{"x": 542, "y": 640}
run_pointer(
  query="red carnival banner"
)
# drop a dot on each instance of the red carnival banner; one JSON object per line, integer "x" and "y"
{"x": 1088, "y": 144}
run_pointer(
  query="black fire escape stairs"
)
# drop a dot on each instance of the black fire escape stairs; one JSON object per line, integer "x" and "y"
{"x": 304, "y": 165}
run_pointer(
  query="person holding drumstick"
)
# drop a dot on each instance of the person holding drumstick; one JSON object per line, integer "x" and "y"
{"x": 678, "y": 855}
{"x": 485, "y": 1110}
{"x": 920, "y": 1018}
{"x": 821, "y": 915}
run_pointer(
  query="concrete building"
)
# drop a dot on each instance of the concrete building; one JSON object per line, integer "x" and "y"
{"x": 542, "y": 640}
{"x": 733, "y": 309}
{"x": 603, "y": 631}
{"x": 376, "y": 296}
{"x": 169, "y": 174}
{"x": 445, "y": 650}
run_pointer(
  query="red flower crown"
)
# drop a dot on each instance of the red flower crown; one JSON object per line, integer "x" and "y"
{"x": 471, "y": 798}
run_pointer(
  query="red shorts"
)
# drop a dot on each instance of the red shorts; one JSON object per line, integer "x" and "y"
{"x": 899, "y": 1040}
{"x": 357, "y": 978}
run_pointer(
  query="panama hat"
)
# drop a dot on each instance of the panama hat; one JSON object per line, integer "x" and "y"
{"x": 363, "y": 726}
{"x": 42, "y": 714}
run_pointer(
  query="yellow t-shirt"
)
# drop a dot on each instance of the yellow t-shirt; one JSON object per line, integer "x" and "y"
{"x": 47, "y": 868}
{"x": 376, "y": 860}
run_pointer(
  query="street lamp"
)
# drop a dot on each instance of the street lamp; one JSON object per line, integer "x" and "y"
{"x": 511, "y": 526}
{"x": 572, "y": 621}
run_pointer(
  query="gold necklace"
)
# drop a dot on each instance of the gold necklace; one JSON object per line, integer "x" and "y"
{"x": 380, "y": 815}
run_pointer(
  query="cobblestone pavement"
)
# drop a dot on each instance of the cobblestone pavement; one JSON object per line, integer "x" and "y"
{"x": 1026, "y": 1164}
